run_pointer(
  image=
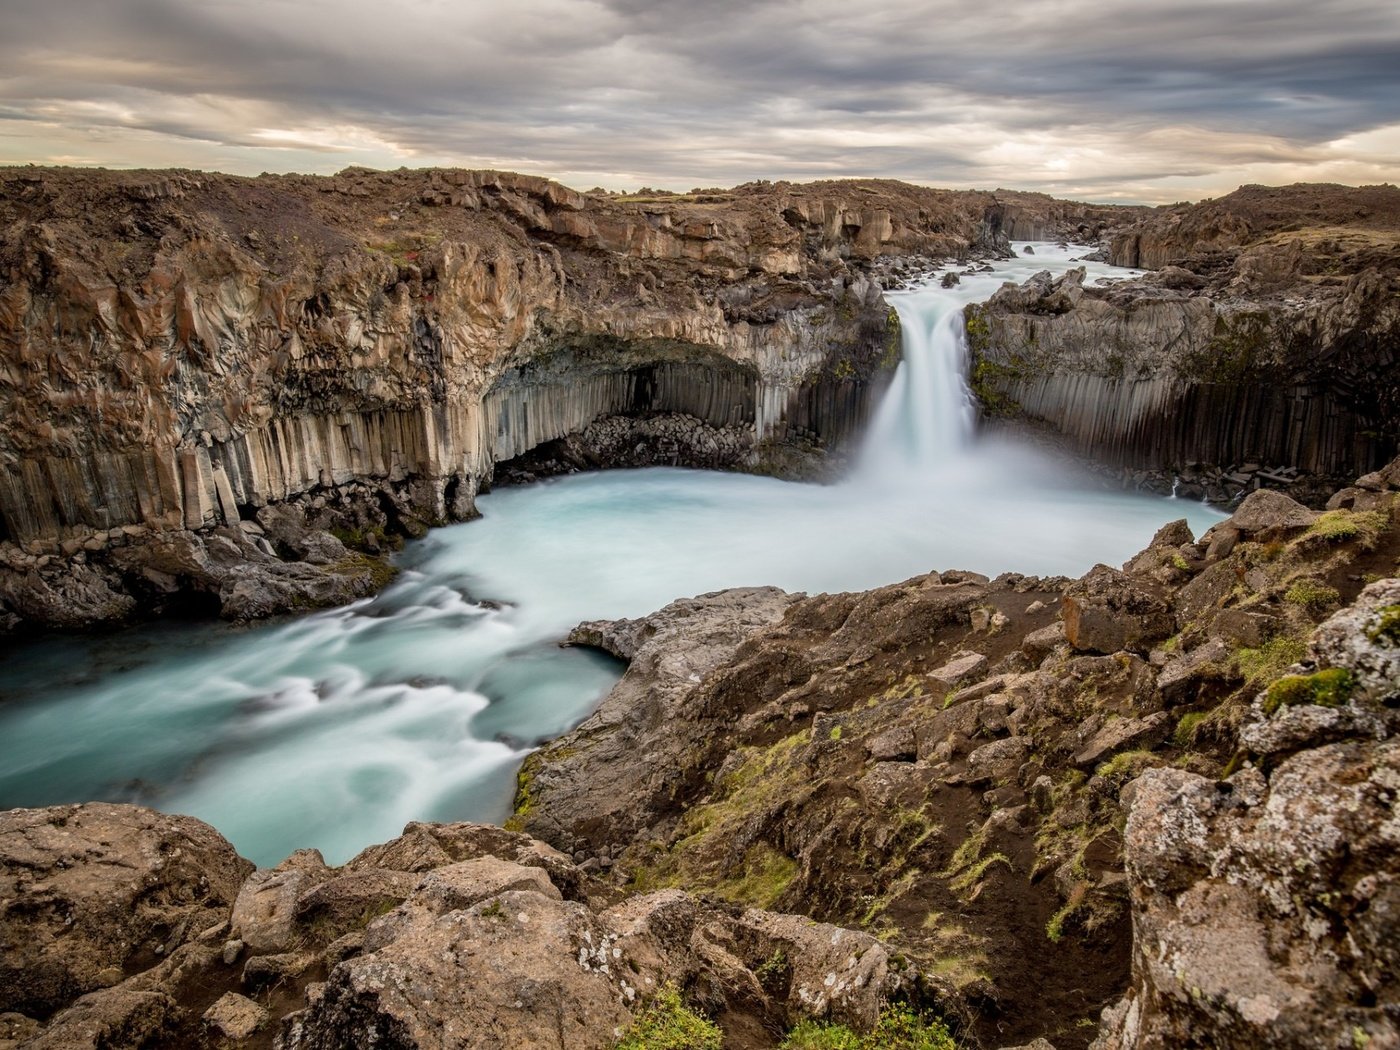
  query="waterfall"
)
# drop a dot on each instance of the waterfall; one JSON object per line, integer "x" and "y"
{"x": 928, "y": 415}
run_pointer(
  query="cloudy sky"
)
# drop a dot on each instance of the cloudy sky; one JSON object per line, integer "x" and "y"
{"x": 1143, "y": 100}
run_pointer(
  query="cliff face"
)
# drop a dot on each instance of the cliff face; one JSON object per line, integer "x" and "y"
{"x": 1270, "y": 332}
{"x": 178, "y": 350}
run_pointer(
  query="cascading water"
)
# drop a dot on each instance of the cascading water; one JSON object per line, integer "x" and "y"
{"x": 335, "y": 730}
{"x": 927, "y": 416}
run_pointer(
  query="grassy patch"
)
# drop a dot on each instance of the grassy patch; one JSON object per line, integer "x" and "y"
{"x": 973, "y": 875}
{"x": 900, "y": 1027}
{"x": 765, "y": 875}
{"x": 1055, "y": 928}
{"x": 1331, "y": 688}
{"x": 1125, "y": 766}
{"x": 1267, "y": 662}
{"x": 668, "y": 1024}
{"x": 1311, "y": 595}
{"x": 1344, "y": 526}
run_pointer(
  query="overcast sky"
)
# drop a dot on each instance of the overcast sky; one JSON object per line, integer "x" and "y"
{"x": 1119, "y": 99}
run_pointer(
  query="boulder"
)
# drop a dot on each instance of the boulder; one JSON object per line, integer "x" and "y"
{"x": 962, "y": 665}
{"x": 521, "y": 970}
{"x": 235, "y": 1016}
{"x": 264, "y": 913}
{"x": 110, "y": 1019}
{"x": 1364, "y": 638}
{"x": 1265, "y": 511}
{"x": 893, "y": 745}
{"x": 1264, "y": 913}
{"x": 1106, "y": 611}
{"x": 998, "y": 760}
{"x": 1123, "y": 734}
{"x": 87, "y": 889}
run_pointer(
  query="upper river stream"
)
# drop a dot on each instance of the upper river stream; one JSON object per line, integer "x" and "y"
{"x": 335, "y": 729}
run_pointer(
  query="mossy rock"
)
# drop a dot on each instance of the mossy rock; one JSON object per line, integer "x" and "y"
{"x": 1330, "y": 688}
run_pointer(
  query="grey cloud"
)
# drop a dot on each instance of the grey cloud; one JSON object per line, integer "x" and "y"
{"x": 673, "y": 91}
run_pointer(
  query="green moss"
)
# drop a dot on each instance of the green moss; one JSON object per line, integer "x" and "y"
{"x": 900, "y": 1027}
{"x": 982, "y": 380}
{"x": 894, "y": 340}
{"x": 1311, "y": 595}
{"x": 525, "y": 801}
{"x": 1330, "y": 688}
{"x": 1387, "y": 628}
{"x": 668, "y": 1024}
{"x": 1185, "y": 734}
{"x": 1178, "y": 562}
{"x": 1127, "y": 765}
{"x": 835, "y": 733}
{"x": 1238, "y": 348}
{"x": 979, "y": 331}
{"x": 1341, "y": 526}
{"x": 381, "y": 573}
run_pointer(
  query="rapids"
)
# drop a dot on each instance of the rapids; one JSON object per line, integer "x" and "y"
{"x": 335, "y": 729}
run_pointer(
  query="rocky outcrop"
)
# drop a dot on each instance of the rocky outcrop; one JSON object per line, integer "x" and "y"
{"x": 947, "y": 762}
{"x": 1266, "y": 907}
{"x": 92, "y": 892}
{"x": 451, "y": 936}
{"x": 179, "y": 350}
{"x": 795, "y": 808}
{"x": 1269, "y": 338}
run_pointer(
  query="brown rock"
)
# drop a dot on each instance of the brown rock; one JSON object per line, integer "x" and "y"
{"x": 1124, "y": 734}
{"x": 84, "y": 888}
{"x": 1107, "y": 612}
{"x": 234, "y": 1016}
{"x": 111, "y": 1019}
{"x": 961, "y": 666}
{"x": 1266, "y": 511}
{"x": 1243, "y": 933}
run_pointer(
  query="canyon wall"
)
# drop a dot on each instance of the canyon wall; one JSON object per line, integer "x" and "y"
{"x": 179, "y": 350}
{"x": 1269, "y": 332}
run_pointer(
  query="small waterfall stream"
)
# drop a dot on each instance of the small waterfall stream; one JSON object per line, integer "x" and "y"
{"x": 927, "y": 417}
{"x": 334, "y": 730}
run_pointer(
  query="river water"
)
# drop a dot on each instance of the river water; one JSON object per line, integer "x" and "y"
{"x": 337, "y": 728}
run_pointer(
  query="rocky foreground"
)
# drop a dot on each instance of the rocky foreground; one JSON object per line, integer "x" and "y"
{"x": 1153, "y": 807}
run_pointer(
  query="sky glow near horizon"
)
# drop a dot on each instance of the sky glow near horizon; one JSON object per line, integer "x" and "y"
{"x": 1134, "y": 100}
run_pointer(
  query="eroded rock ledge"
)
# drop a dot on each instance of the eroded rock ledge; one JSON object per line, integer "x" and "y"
{"x": 180, "y": 350}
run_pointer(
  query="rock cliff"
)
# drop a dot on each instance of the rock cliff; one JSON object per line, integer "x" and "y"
{"x": 1269, "y": 333}
{"x": 180, "y": 350}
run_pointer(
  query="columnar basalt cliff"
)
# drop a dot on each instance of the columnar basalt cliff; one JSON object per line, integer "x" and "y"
{"x": 181, "y": 350}
{"x": 1268, "y": 333}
